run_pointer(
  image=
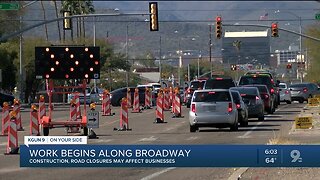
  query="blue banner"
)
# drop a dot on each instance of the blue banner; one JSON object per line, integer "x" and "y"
{"x": 170, "y": 156}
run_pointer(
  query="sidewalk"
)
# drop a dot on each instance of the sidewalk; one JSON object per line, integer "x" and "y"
{"x": 295, "y": 136}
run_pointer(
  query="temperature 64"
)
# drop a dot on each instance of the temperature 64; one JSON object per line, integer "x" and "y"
{"x": 270, "y": 160}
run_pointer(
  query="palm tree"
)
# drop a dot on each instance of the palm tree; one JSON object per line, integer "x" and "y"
{"x": 86, "y": 7}
{"x": 44, "y": 18}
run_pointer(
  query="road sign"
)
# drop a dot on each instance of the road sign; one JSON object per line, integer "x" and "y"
{"x": 313, "y": 101}
{"x": 92, "y": 119}
{"x": 317, "y": 16}
{"x": 303, "y": 122}
{"x": 9, "y": 6}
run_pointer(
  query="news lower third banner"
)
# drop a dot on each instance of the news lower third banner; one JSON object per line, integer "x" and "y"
{"x": 86, "y": 155}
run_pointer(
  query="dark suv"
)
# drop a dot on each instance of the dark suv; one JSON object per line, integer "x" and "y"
{"x": 120, "y": 93}
{"x": 261, "y": 79}
{"x": 194, "y": 85}
{"x": 219, "y": 82}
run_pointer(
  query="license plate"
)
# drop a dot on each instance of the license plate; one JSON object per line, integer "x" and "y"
{"x": 209, "y": 108}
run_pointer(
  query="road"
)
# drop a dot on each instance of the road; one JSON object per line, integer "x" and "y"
{"x": 144, "y": 131}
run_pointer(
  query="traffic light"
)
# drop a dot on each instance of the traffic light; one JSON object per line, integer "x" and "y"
{"x": 67, "y": 24}
{"x": 218, "y": 27}
{"x": 274, "y": 30}
{"x": 289, "y": 66}
{"x": 64, "y": 62}
{"x": 153, "y": 10}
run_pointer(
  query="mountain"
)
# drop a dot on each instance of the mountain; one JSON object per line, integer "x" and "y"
{"x": 183, "y": 24}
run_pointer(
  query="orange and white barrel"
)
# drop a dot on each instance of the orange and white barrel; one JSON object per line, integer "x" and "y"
{"x": 166, "y": 100}
{"x": 170, "y": 96}
{"x": 107, "y": 109}
{"x": 12, "y": 146}
{"x": 159, "y": 109}
{"x": 177, "y": 105}
{"x": 77, "y": 102}
{"x": 73, "y": 116}
{"x": 42, "y": 107}
{"x": 16, "y": 108}
{"x": 124, "y": 121}
{"x": 129, "y": 98}
{"x": 34, "y": 122}
{"x": 104, "y": 101}
{"x": 147, "y": 100}
{"x": 136, "y": 103}
{"x": 5, "y": 119}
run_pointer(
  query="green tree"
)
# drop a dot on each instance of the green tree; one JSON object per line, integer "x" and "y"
{"x": 313, "y": 55}
{"x": 146, "y": 60}
{"x": 8, "y": 68}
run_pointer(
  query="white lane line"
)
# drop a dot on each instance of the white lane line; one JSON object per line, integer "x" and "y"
{"x": 104, "y": 140}
{"x": 151, "y": 138}
{"x": 192, "y": 138}
{"x": 151, "y": 176}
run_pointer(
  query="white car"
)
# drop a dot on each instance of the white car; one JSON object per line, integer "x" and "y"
{"x": 285, "y": 93}
{"x": 92, "y": 95}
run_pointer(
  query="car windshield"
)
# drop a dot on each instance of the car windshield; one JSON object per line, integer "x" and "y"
{"x": 212, "y": 96}
{"x": 196, "y": 84}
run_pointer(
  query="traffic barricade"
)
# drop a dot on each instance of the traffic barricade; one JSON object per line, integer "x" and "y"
{"x": 12, "y": 146}
{"x": 5, "y": 119}
{"x": 166, "y": 100}
{"x": 34, "y": 122}
{"x": 42, "y": 107}
{"x": 136, "y": 103}
{"x": 159, "y": 109}
{"x": 104, "y": 101}
{"x": 77, "y": 101}
{"x": 170, "y": 96}
{"x": 129, "y": 99}
{"x": 107, "y": 104}
{"x": 177, "y": 105}
{"x": 147, "y": 100}
{"x": 73, "y": 117}
{"x": 124, "y": 120}
{"x": 16, "y": 108}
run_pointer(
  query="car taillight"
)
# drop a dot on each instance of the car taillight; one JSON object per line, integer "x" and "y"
{"x": 230, "y": 107}
{"x": 257, "y": 98}
{"x": 272, "y": 90}
{"x": 193, "y": 108}
{"x": 238, "y": 106}
{"x": 266, "y": 96}
{"x": 305, "y": 89}
{"x": 287, "y": 92}
{"x": 219, "y": 78}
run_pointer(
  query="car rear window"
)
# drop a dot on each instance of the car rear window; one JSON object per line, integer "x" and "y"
{"x": 261, "y": 89}
{"x": 266, "y": 80}
{"x": 219, "y": 83}
{"x": 236, "y": 97}
{"x": 247, "y": 91}
{"x": 212, "y": 96}
{"x": 197, "y": 84}
{"x": 298, "y": 85}
{"x": 282, "y": 86}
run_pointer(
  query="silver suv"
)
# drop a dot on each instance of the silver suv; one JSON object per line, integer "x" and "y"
{"x": 302, "y": 91}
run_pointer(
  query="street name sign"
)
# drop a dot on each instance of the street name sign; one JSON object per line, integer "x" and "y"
{"x": 304, "y": 122}
{"x": 9, "y": 6}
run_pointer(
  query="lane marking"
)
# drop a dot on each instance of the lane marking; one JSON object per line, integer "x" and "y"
{"x": 152, "y": 138}
{"x": 192, "y": 138}
{"x": 151, "y": 176}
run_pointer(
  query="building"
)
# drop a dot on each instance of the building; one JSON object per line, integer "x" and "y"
{"x": 247, "y": 47}
{"x": 286, "y": 56}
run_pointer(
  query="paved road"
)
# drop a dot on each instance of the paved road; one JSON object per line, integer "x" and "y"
{"x": 144, "y": 131}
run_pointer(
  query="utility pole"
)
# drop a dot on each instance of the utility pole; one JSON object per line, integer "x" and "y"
{"x": 160, "y": 69}
{"x": 210, "y": 44}
{"x": 127, "y": 59}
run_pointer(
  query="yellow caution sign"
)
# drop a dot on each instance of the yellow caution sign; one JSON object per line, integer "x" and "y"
{"x": 303, "y": 122}
{"x": 313, "y": 101}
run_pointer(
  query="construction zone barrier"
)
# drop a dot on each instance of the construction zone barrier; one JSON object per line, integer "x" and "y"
{"x": 5, "y": 119}
{"x": 42, "y": 107}
{"x": 106, "y": 105}
{"x": 77, "y": 102}
{"x": 73, "y": 117}
{"x": 170, "y": 96}
{"x": 124, "y": 121}
{"x": 34, "y": 122}
{"x": 12, "y": 146}
{"x": 16, "y": 108}
{"x": 147, "y": 100}
{"x": 136, "y": 102}
{"x": 129, "y": 98}
{"x": 159, "y": 109}
{"x": 185, "y": 93}
{"x": 177, "y": 105}
{"x": 166, "y": 100}
{"x": 173, "y": 100}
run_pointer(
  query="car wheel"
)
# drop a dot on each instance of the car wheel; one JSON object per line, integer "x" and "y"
{"x": 193, "y": 128}
{"x": 261, "y": 118}
{"x": 234, "y": 127}
{"x": 301, "y": 101}
{"x": 288, "y": 102}
{"x": 46, "y": 131}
